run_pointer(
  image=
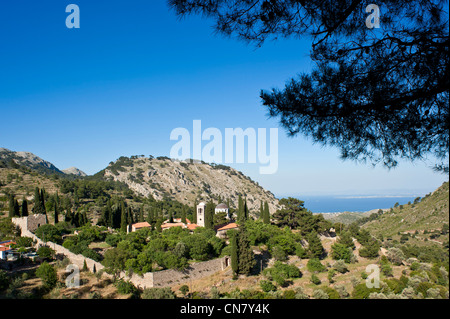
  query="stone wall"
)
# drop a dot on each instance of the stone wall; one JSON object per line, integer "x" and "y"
{"x": 163, "y": 278}
{"x": 171, "y": 277}
{"x": 30, "y": 223}
{"x": 199, "y": 270}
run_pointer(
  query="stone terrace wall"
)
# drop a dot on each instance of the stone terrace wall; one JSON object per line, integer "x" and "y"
{"x": 30, "y": 222}
{"x": 195, "y": 271}
{"x": 171, "y": 277}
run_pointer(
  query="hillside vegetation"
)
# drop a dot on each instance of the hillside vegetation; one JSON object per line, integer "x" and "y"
{"x": 291, "y": 254}
{"x": 425, "y": 214}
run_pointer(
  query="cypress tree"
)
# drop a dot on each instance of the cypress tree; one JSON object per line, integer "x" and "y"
{"x": 234, "y": 255}
{"x": 38, "y": 207}
{"x": 11, "y": 206}
{"x": 150, "y": 216}
{"x": 240, "y": 211}
{"x": 56, "y": 214}
{"x": 106, "y": 215}
{"x": 194, "y": 215}
{"x": 266, "y": 214}
{"x": 123, "y": 219}
{"x": 246, "y": 212}
{"x": 16, "y": 208}
{"x": 141, "y": 214}
{"x": 209, "y": 215}
{"x": 85, "y": 218}
{"x": 132, "y": 219}
{"x": 158, "y": 225}
{"x": 261, "y": 210}
{"x": 42, "y": 198}
{"x": 24, "y": 211}
{"x": 246, "y": 259}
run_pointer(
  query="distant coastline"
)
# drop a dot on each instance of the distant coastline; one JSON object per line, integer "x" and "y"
{"x": 352, "y": 204}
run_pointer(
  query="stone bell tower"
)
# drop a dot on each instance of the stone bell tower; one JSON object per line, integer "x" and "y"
{"x": 201, "y": 214}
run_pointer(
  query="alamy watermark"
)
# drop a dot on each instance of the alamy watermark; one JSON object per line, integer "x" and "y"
{"x": 373, "y": 19}
{"x": 221, "y": 148}
{"x": 73, "y": 279}
{"x": 73, "y": 19}
{"x": 373, "y": 279}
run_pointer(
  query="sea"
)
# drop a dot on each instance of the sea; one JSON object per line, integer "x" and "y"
{"x": 337, "y": 204}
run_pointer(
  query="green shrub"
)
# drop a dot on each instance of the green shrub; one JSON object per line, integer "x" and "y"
{"x": 267, "y": 286}
{"x": 315, "y": 280}
{"x": 45, "y": 252}
{"x": 158, "y": 293}
{"x": 332, "y": 293}
{"x": 314, "y": 265}
{"x": 289, "y": 294}
{"x": 340, "y": 266}
{"x": 362, "y": 292}
{"x": 4, "y": 280}
{"x": 125, "y": 287}
{"x": 48, "y": 275}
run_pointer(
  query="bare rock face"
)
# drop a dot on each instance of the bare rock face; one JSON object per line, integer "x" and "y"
{"x": 187, "y": 182}
{"x": 29, "y": 160}
{"x": 74, "y": 171}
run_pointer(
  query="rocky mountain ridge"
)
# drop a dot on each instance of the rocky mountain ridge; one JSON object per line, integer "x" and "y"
{"x": 186, "y": 182}
{"x": 163, "y": 177}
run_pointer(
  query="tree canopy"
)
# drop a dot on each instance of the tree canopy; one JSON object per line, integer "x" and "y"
{"x": 377, "y": 94}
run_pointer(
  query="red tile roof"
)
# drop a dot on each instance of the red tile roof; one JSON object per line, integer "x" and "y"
{"x": 7, "y": 243}
{"x": 192, "y": 226}
{"x": 169, "y": 225}
{"x": 228, "y": 226}
{"x": 141, "y": 225}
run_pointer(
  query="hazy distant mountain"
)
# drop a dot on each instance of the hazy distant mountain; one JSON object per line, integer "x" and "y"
{"x": 10, "y": 158}
{"x": 74, "y": 171}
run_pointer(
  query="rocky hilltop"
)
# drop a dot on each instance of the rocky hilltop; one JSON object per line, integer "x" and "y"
{"x": 27, "y": 159}
{"x": 74, "y": 171}
{"x": 162, "y": 177}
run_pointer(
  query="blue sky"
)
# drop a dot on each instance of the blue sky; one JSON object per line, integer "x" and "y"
{"x": 133, "y": 72}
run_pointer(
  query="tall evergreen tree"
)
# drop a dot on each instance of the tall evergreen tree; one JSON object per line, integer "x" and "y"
{"x": 246, "y": 257}
{"x": 56, "y": 213}
{"x": 240, "y": 211}
{"x": 106, "y": 215}
{"x": 209, "y": 215}
{"x": 315, "y": 248}
{"x": 158, "y": 225}
{"x": 123, "y": 218}
{"x": 150, "y": 216}
{"x": 338, "y": 103}
{"x": 194, "y": 215}
{"x": 11, "y": 206}
{"x": 234, "y": 255}
{"x": 266, "y": 217}
{"x": 42, "y": 198}
{"x": 39, "y": 207}
{"x": 24, "y": 210}
{"x": 246, "y": 211}
{"x": 16, "y": 208}
{"x": 261, "y": 210}
{"x": 130, "y": 219}
{"x": 141, "y": 214}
